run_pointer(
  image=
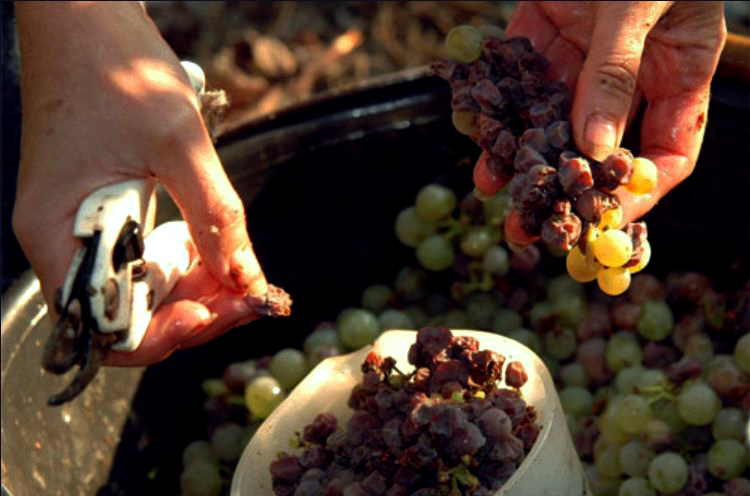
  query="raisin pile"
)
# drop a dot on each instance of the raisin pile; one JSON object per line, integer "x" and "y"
{"x": 446, "y": 428}
{"x": 501, "y": 99}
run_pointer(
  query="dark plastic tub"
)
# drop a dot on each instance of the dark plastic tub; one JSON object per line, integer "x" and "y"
{"x": 323, "y": 182}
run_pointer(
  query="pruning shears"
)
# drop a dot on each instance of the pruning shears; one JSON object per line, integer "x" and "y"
{"x": 114, "y": 283}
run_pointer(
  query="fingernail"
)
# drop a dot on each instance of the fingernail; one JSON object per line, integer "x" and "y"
{"x": 246, "y": 272}
{"x": 600, "y": 136}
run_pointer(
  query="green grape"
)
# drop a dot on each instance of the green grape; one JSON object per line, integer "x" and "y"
{"x": 573, "y": 374}
{"x": 288, "y": 366}
{"x": 632, "y": 413}
{"x": 463, "y": 44}
{"x": 650, "y": 378}
{"x": 636, "y": 486}
{"x": 213, "y": 388}
{"x": 727, "y": 459}
{"x": 527, "y": 338}
{"x": 644, "y": 178}
{"x": 201, "y": 478}
{"x": 601, "y": 485}
{"x": 613, "y": 280}
{"x": 410, "y": 283}
{"x": 496, "y": 261}
{"x": 611, "y": 431}
{"x": 627, "y": 378}
{"x": 491, "y": 30}
{"x": 656, "y": 320}
{"x": 228, "y": 441}
{"x": 541, "y": 312}
{"x": 635, "y": 458}
{"x": 580, "y": 267}
{"x": 262, "y": 395}
{"x": 476, "y": 242}
{"x": 742, "y": 352}
{"x": 326, "y": 336}
{"x": 668, "y": 472}
{"x": 729, "y": 424}
{"x": 570, "y": 310}
{"x": 357, "y": 328}
{"x": 623, "y": 351}
{"x": 464, "y": 121}
{"x": 657, "y": 433}
{"x": 563, "y": 286}
{"x": 394, "y": 319}
{"x": 506, "y": 320}
{"x": 613, "y": 248}
{"x": 560, "y": 343}
{"x": 497, "y": 208}
{"x": 666, "y": 411}
{"x": 200, "y": 450}
{"x": 576, "y": 401}
{"x": 376, "y": 298}
{"x": 435, "y": 202}
{"x": 699, "y": 346}
{"x": 697, "y": 403}
{"x": 411, "y": 229}
{"x": 607, "y": 458}
{"x": 436, "y": 253}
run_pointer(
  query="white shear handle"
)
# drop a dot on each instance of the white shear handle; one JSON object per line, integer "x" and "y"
{"x": 123, "y": 295}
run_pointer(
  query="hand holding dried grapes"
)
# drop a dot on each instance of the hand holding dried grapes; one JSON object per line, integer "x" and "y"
{"x": 105, "y": 100}
{"x": 617, "y": 55}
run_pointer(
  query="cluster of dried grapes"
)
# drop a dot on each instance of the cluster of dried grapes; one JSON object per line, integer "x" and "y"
{"x": 502, "y": 101}
{"x": 447, "y": 428}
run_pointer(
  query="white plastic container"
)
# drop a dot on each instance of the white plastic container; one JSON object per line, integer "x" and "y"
{"x": 550, "y": 468}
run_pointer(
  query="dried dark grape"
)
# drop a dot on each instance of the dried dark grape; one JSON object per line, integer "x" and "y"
{"x": 400, "y": 441}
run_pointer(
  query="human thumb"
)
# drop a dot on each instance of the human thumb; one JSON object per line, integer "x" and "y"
{"x": 607, "y": 82}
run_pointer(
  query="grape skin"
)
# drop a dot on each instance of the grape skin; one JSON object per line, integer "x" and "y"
{"x": 613, "y": 248}
{"x": 632, "y": 414}
{"x": 635, "y": 458}
{"x": 411, "y": 229}
{"x": 288, "y": 366}
{"x": 376, "y": 297}
{"x": 463, "y": 44}
{"x": 623, "y": 351}
{"x": 644, "y": 178}
{"x": 656, "y": 320}
{"x": 668, "y": 472}
{"x": 435, "y": 253}
{"x": 698, "y": 404}
{"x": 742, "y": 352}
{"x": 576, "y": 401}
{"x": 636, "y": 486}
{"x": 727, "y": 459}
{"x": 435, "y": 202}
{"x": 201, "y": 478}
{"x": 262, "y": 395}
{"x": 613, "y": 280}
{"x": 729, "y": 423}
{"x": 357, "y": 328}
